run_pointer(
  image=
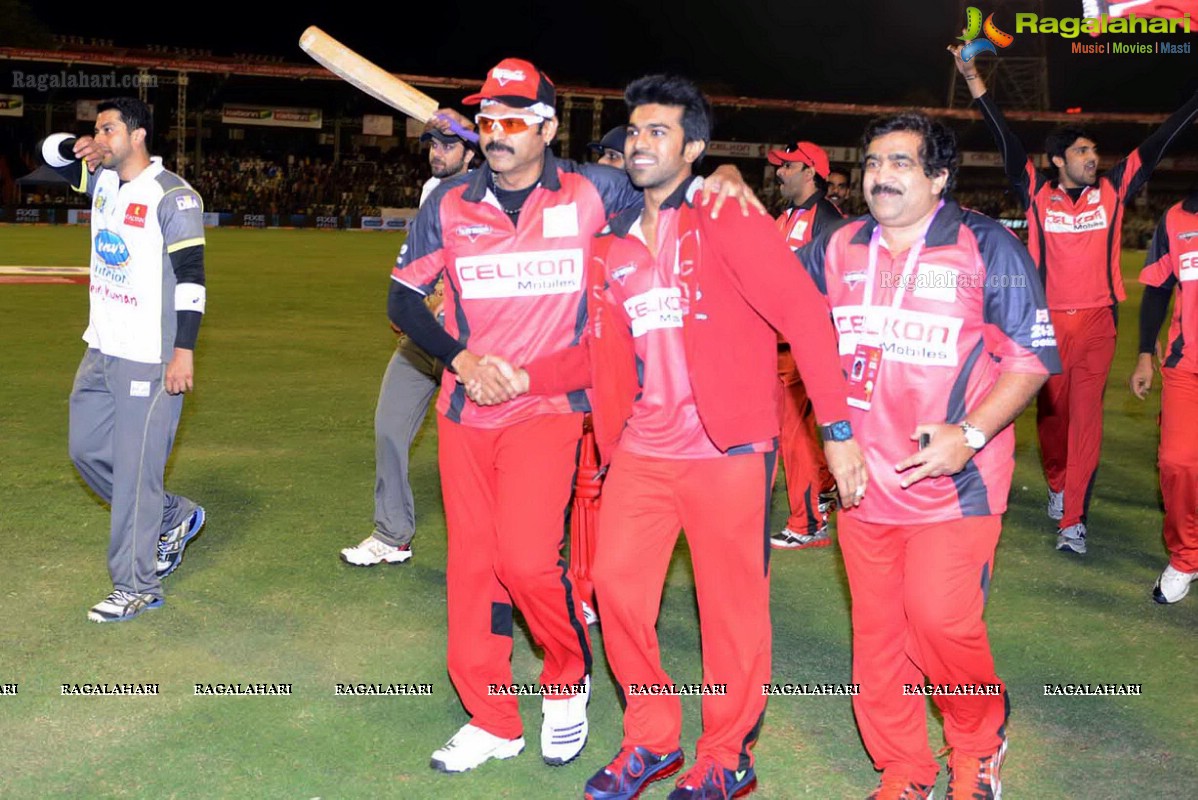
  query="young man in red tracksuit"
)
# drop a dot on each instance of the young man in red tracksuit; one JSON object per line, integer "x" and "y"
{"x": 683, "y": 363}
{"x": 802, "y": 176}
{"x": 512, "y": 241}
{"x": 1173, "y": 262}
{"x": 945, "y": 337}
{"x": 1075, "y": 235}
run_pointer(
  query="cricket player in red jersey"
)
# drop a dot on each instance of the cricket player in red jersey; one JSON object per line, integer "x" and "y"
{"x": 512, "y": 240}
{"x": 682, "y": 359}
{"x": 945, "y": 337}
{"x": 1173, "y": 262}
{"x": 802, "y": 178}
{"x": 1075, "y": 235}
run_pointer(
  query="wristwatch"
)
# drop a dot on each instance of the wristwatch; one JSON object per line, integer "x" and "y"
{"x": 839, "y": 431}
{"x": 975, "y": 438}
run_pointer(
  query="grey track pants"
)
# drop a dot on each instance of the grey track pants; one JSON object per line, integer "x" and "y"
{"x": 122, "y": 427}
{"x": 408, "y": 387}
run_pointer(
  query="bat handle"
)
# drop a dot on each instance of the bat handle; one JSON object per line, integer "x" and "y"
{"x": 469, "y": 136}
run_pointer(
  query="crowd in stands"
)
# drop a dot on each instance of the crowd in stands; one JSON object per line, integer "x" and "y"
{"x": 360, "y": 185}
{"x": 354, "y": 186}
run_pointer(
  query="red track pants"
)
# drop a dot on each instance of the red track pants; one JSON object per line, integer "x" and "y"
{"x": 802, "y": 451}
{"x": 721, "y": 502}
{"x": 1069, "y": 409}
{"x": 918, "y": 594}
{"x": 1178, "y": 462}
{"x": 506, "y": 492}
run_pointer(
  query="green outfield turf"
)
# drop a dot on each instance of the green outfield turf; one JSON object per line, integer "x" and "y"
{"x": 277, "y": 443}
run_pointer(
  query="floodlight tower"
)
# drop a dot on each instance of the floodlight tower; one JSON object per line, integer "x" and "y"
{"x": 1016, "y": 81}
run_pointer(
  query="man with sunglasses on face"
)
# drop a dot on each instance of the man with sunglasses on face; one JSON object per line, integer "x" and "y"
{"x": 512, "y": 240}
{"x": 802, "y": 177}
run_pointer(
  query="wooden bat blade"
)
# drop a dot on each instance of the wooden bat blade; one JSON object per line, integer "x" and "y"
{"x": 370, "y": 78}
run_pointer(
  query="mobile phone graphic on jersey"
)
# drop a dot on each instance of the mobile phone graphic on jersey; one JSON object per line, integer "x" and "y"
{"x": 863, "y": 376}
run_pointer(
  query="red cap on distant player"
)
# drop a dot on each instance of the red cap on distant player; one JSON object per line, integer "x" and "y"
{"x": 805, "y": 152}
{"x": 516, "y": 82}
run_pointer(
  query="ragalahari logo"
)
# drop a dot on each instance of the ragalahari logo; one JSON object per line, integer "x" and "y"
{"x": 974, "y": 26}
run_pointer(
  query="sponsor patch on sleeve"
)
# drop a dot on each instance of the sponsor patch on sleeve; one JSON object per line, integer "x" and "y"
{"x": 185, "y": 202}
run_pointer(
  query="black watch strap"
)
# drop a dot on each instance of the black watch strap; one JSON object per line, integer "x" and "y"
{"x": 839, "y": 431}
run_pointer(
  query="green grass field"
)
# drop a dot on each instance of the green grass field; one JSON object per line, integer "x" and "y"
{"x": 277, "y": 443}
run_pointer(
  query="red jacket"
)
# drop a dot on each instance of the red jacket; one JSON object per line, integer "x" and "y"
{"x": 743, "y": 283}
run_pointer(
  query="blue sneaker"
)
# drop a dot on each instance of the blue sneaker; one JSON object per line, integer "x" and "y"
{"x": 708, "y": 780}
{"x": 630, "y": 772}
{"x": 171, "y": 543}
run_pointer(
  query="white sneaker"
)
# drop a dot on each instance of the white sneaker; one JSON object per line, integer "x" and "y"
{"x": 120, "y": 606}
{"x": 1072, "y": 538}
{"x": 564, "y": 726}
{"x": 472, "y": 746}
{"x": 589, "y": 615}
{"x": 1172, "y": 585}
{"x": 786, "y": 539}
{"x": 371, "y": 551}
{"x": 1056, "y": 505}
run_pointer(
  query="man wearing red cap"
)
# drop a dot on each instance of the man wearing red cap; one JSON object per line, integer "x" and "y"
{"x": 679, "y": 354}
{"x": 512, "y": 240}
{"x": 802, "y": 179}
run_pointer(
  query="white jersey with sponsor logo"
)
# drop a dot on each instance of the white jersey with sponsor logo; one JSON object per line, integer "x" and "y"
{"x": 135, "y": 226}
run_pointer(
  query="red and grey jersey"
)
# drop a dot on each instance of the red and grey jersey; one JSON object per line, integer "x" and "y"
{"x": 136, "y": 227}
{"x": 971, "y": 309}
{"x": 1076, "y": 244}
{"x": 517, "y": 291}
{"x": 802, "y": 223}
{"x": 1173, "y": 261}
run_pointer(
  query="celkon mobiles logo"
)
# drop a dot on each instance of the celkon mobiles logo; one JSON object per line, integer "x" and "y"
{"x": 1188, "y": 267}
{"x": 912, "y": 337}
{"x": 655, "y": 309}
{"x": 1063, "y": 222}
{"x": 528, "y": 274}
{"x": 974, "y": 26}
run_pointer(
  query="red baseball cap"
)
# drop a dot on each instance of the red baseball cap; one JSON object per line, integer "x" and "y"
{"x": 805, "y": 152}
{"x": 516, "y": 82}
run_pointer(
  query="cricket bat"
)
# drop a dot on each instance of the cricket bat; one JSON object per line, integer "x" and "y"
{"x": 373, "y": 79}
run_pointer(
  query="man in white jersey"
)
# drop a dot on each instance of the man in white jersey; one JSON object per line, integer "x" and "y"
{"x": 147, "y": 299}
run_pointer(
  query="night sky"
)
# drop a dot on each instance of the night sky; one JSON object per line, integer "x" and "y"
{"x": 832, "y": 50}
